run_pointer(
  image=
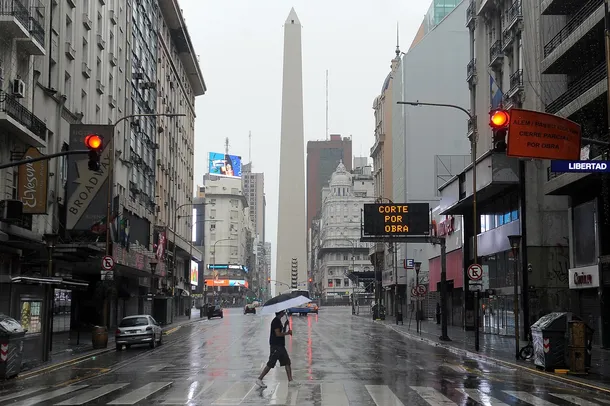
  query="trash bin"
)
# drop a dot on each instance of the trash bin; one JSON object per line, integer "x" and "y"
{"x": 549, "y": 340}
{"x": 11, "y": 347}
{"x": 99, "y": 337}
{"x": 580, "y": 346}
{"x": 399, "y": 317}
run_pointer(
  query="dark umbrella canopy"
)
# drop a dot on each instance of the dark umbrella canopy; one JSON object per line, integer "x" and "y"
{"x": 281, "y": 298}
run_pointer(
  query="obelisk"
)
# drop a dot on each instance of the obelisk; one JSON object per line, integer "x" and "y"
{"x": 292, "y": 216}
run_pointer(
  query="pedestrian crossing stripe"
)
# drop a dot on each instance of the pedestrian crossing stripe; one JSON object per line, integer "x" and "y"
{"x": 279, "y": 393}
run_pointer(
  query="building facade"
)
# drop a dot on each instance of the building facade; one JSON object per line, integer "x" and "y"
{"x": 254, "y": 190}
{"x": 339, "y": 251}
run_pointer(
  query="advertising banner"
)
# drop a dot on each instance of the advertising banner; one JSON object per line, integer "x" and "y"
{"x": 87, "y": 192}
{"x": 225, "y": 165}
{"x": 194, "y": 273}
{"x": 32, "y": 184}
{"x": 226, "y": 282}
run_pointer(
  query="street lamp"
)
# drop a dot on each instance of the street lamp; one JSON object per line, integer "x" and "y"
{"x": 515, "y": 244}
{"x": 417, "y": 269}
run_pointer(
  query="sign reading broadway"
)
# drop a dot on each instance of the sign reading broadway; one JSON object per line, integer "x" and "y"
{"x": 396, "y": 219}
{"x": 87, "y": 189}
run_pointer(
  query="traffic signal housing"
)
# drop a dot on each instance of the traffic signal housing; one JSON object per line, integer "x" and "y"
{"x": 94, "y": 143}
{"x": 499, "y": 120}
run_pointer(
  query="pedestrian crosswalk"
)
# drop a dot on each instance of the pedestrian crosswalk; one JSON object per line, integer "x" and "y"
{"x": 225, "y": 393}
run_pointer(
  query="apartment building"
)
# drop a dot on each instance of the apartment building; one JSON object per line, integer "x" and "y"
{"x": 254, "y": 190}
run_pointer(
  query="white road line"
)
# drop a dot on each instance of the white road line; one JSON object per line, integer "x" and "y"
{"x": 455, "y": 368}
{"x": 605, "y": 401}
{"x": 49, "y": 395}
{"x": 382, "y": 395}
{"x": 140, "y": 394}
{"x": 432, "y": 396}
{"x": 91, "y": 395}
{"x": 574, "y": 399}
{"x": 283, "y": 395}
{"x": 334, "y": 394}
{"x": 529, "y": 398}
{"x": 482, "y": 398}
{"x": 235, "y": 394}
{"x": 184, "y": 396}
{"x": 19, "y": 394}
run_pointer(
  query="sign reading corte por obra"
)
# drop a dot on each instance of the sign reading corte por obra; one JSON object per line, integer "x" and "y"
{"x": 396, "y": 219}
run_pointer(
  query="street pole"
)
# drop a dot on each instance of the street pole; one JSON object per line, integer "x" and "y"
{"x": 607, "y": 43}
{"x": 417, "y": 268}
{"x": 47, "y": 330}
{"x": 395, "y": 263}
{"x": 444, "y": 336}
{"x": 515, "y": 242}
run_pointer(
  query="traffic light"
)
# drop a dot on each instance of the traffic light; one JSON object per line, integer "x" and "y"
{"x": 268, "y": 279}
{"x": 94, "y": 143}
{"x": 499, "y": 120}
{"x": 310, "y": 280}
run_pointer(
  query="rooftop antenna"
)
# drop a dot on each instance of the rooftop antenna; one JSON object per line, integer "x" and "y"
{"x": 397, "y": 42}
{"x": 227, "y": 146}
{"x": 326, "y": 104}
{"x": 250, "y": 148}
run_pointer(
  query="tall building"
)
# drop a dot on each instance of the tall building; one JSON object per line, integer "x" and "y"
{"x": 291, "y": 231}
{"x": 322, "y": 160}
{"x": 254, "y": 190}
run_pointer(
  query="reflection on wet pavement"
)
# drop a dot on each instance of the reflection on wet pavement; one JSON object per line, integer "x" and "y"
{"x": 337, "y": 359}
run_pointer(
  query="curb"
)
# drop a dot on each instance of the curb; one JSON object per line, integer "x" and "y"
{"x": 486, "y": 358}
{"x": 76, "y": 360}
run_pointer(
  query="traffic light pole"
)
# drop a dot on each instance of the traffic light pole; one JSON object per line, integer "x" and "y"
{"x": 44, "y": 158}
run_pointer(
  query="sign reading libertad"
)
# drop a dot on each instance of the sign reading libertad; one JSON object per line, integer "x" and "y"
{"x": 396, "y": 219}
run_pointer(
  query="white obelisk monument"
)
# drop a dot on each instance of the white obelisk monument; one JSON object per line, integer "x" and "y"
{"x": 292, "y": 216}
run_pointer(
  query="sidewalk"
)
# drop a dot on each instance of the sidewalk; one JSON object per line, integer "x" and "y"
{"x": 69, "y": 347}
{"x": 499, "y": 349}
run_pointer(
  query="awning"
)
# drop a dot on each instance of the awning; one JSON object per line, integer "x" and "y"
{"x": 56, "y": 281}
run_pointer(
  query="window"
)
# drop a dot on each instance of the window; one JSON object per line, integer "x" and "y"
{"x": 330, "y": 283}
{"x": 338, "y": 283}
{"x": 213, "y": 227}
{"x": 345, "y": 282}
{"x": 30, "y": 315}
{"x": 584, "y": 230}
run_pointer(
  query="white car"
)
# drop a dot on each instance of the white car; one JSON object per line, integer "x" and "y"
{"x": 140, "y": 329}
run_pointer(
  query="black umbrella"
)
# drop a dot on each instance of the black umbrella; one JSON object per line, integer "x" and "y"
{"x": 283, "y": 302}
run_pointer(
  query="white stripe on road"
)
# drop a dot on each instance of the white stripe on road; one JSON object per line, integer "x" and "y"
{"x": 456, "y": 368}
{"x": 235, "y": 394}
{"x": 184, "y": 396}
{"x": 140, "y": 394}
{"x": 333, "y": 394}
{"x": 432, "y": 396}
{"x": 482, "y": 397}
{"x": 574, "y": 399}
{"x": 19, "y": 394}
{"x": 49, "y": 395}
{"x": 605, "y": 401}
{"x": 529, "y": 398}
{"x": 283, "y": 395}
{"x": 91, "y": 395}
{"x": 383, "y": 396}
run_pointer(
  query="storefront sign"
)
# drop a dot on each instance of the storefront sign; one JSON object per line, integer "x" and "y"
{"x": 445, "y": 227}
{"x": 584, "y": 278}
{"x": 32, "y": 183}
{"x": 532, "y": 134}
{"x": 398, "y": 219}
{"x": 137, "y": 260}
{"x": 226, "y": 282}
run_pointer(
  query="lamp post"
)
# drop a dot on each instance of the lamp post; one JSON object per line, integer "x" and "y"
{"x": 417, "y": 269}
{"x": 515, "y": 243}
{"x": 47, "y": 339}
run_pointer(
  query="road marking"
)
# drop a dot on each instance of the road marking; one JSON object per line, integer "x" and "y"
{"x": 171, "y": 330}
{"x": 283, "y": 395}
{"x": 455, "y": 368}
{"x": 91, "y": 395}
{"x": 382, "y": 395}
{"x": 334, "y": 394}
{"x": 482, "y": 397}
{"x": 432, "y": 396}
{"x": 194, "y": 391}
{"x": 235, "y": 394}
{"x": 603, "y": 401}
{"x": 159, "y": 367}
{"x": 529, "y": 398}
{"x": 19, "y": 394}
{"x": 49, "y": 395}
{"x": 574, "y": 399}
{"x": 140, "y": 394}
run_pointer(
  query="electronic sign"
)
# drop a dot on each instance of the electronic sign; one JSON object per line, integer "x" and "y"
{"x": 396, "y": 219}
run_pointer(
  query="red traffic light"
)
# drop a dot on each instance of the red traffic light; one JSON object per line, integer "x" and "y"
{"x": 93, "y": 141}
{"x": 310, "y": 280}
{"x": 499, "y": 119}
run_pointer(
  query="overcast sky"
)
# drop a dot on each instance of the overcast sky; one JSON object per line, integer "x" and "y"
{"x": 240, "y": 46}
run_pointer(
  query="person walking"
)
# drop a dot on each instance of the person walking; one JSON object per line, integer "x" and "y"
{"x": 277, "y": 343}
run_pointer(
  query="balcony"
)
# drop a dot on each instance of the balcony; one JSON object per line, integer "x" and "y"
{"x": 471, "y": 14}
{"x": 101, "y": 43}
{"x": 471, "y": 70}
{"x": 70, "y": 51}
{"x": 113, "y": 17}
{"x": 86, "y": 70}
{"x": 574, "y": 34}
{"x": 112, "y": 59}
{"x": 14, "y": 19}
{"x": 111, "y": 101}
{"x": 18, "y": 120}
{"x": 472, "y": 125}
{"x": 590, "y": 81}
{"x": 508, "y": 36}
{"x": 87, "y": 21}
{"x": 514, "y": 16}
{"x": 100, "y": 87}
{"x": 516, "y": 83}
{"x": 34, "y": 44}
{"x": 496, "y": 56}
{"x": 560, "y": 7}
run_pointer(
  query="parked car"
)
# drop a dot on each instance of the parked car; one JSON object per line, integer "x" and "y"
{"x": 215, "y": 311}
{"x": 250, "y": 308}
{"x": 136, "y": 330}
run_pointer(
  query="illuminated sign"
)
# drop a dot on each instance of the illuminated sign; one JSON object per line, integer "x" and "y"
{"x": 226, "y": 282}
{"x": 580, "y": 166}
{"x": 396, "y": 219}
{"x": 228, "y": 266}
{"x": 194, "y": 273}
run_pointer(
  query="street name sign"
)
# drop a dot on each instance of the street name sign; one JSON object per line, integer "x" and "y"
{"x": 581, "y": 166}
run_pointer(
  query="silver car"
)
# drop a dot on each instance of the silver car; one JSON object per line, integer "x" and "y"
{"x": 140, "y": 329}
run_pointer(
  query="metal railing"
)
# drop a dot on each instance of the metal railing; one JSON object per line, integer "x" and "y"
{"x": 471, "y": 69}
{"x": 471, "y": 12}
{"x": 579, "y": 17}
{"x": 37, "y": 30}
{"x": 495, "y": 51}
{"x": 516, "y": 80}
{"x": 10, "y": 106}
{"x": 577, "y": 88}
{"x": 514, "y": 12}
{"x": 17, "y": 9}
{"x": 471, "y": 125}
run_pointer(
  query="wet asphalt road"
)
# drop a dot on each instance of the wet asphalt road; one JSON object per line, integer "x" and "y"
{"x": 338, "y": 360}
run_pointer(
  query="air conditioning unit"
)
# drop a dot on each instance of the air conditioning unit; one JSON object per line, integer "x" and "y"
{"x": 18, "y": 88}
{"x": 11, "y": 210}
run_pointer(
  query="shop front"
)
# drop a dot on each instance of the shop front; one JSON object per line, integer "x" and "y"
{"x": 584, "y": 290}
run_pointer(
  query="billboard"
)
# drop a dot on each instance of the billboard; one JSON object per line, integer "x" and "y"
{"x": 532, "y": 134}
{"x": 396, "y": 219}
{"x": 226, "y": 282}
{"x": 228, "y": 266}
{"x": 32, "y": 183}
{"x": 87, "y": 192}
{"x": 194, "y": 273}
{"x": 225, "y": 165}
